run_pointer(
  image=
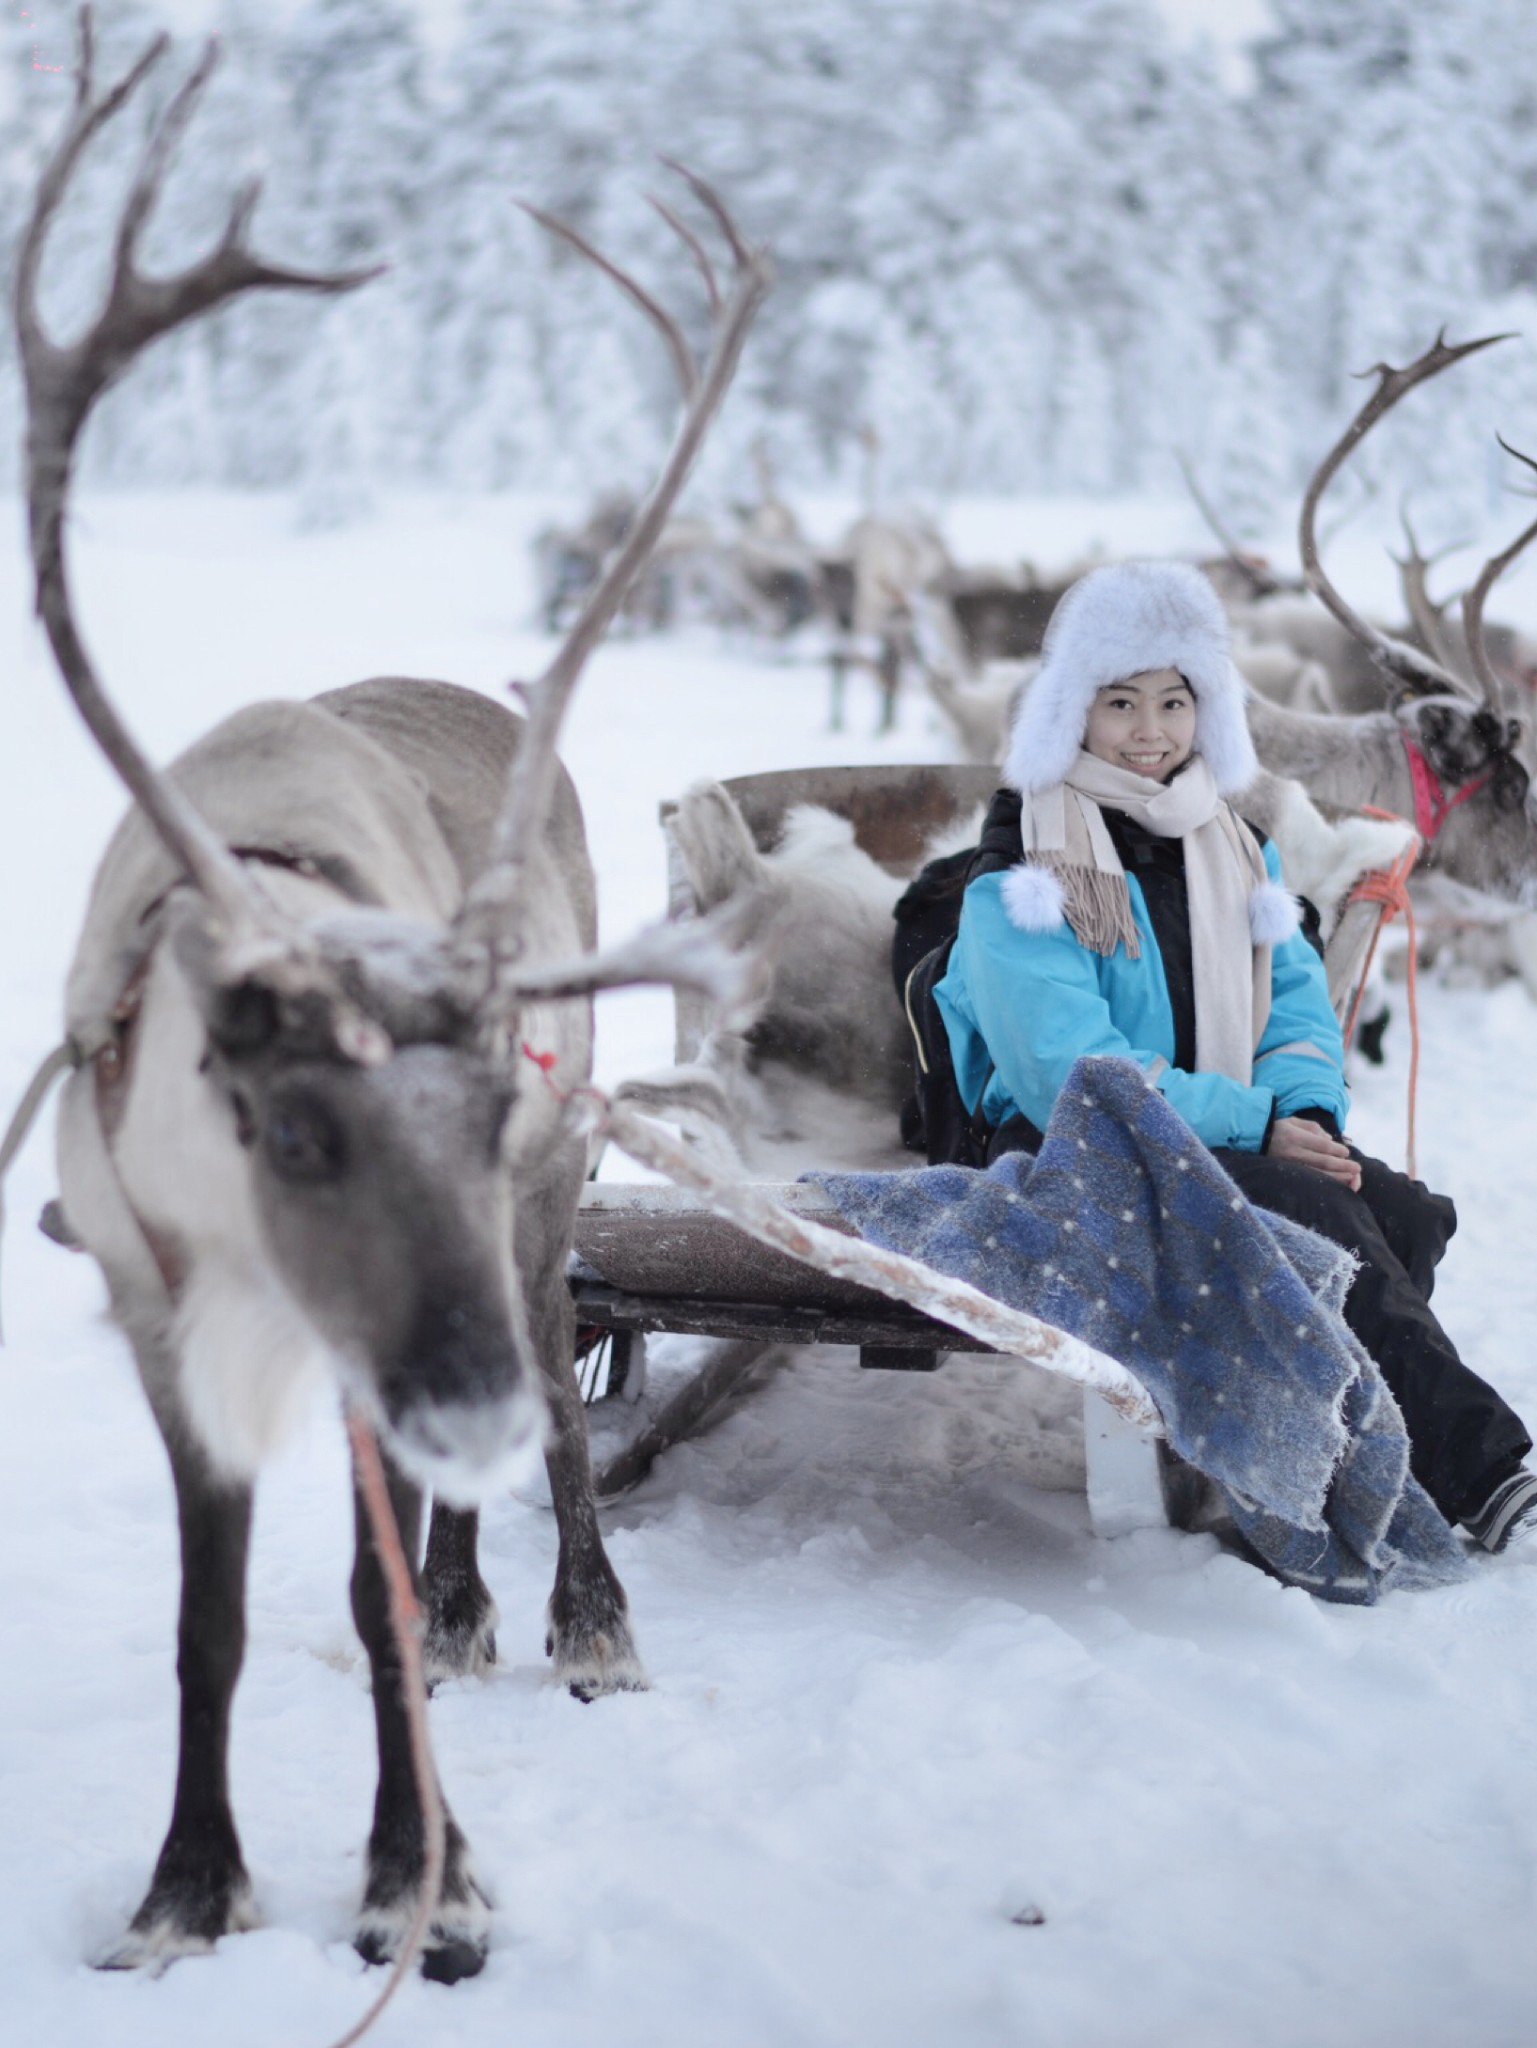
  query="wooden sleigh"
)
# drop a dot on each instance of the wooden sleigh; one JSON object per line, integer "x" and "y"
{"x": 652, "y": 1258}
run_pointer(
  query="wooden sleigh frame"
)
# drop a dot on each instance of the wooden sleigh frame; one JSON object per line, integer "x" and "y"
{"x": 651, "y": 1258}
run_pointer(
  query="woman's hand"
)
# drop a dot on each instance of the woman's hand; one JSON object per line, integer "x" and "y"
{"x": 1297, "y": 1137}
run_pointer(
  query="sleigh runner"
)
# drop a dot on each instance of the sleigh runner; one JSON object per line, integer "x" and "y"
{"x": 653, "y": 1258}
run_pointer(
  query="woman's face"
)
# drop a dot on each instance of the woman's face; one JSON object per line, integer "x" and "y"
{"x": 1146, "y": 724}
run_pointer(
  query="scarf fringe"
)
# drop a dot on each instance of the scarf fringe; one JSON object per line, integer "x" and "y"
{"x": 1043, "y": 890}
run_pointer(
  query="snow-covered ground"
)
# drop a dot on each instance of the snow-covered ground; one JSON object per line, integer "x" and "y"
{"x": 901, "y": 1693}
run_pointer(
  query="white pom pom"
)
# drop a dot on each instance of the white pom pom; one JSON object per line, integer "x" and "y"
{"x": 1033, "y": 898}
{"x": 1273, "y": 914}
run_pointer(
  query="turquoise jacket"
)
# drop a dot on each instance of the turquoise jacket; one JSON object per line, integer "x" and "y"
{"x": 1020, "y": 1007}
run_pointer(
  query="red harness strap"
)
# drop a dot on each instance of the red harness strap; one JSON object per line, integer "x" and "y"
{"x": 1432, "y": 805}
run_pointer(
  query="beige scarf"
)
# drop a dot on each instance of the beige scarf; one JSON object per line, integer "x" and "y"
{"x": 1064, "y": 830}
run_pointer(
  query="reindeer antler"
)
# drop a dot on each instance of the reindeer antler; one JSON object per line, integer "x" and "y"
{"x": 62, "y": 385}
{"x": 1261, "y": 578}
{"x": 1473, "y": 603}
{"x": 492, "y": 920}
{"x": 1425, "y": 615}
{"x": 1412, "y": 672}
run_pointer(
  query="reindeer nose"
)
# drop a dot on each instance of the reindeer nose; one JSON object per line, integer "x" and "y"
{"x": 462, "y": 1404}
{"x": 466, "y": 1451}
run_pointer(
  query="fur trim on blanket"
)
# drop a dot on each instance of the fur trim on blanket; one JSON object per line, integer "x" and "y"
{"x": 1120, "y": 621}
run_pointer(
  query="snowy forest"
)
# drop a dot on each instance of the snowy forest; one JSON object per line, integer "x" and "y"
{"x": 1038, "y": 245}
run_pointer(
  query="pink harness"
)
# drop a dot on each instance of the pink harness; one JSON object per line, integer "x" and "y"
{"x": 1432, "y": 805}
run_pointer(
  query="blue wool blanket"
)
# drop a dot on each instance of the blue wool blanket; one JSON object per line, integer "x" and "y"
{"x": 1126, "y": 1233}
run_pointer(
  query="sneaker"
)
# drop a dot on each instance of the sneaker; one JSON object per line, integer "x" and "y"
{"x": 1508, "y": 1518}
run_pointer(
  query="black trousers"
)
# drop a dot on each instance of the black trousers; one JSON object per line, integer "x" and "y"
{"x": 1463, "y": 1438}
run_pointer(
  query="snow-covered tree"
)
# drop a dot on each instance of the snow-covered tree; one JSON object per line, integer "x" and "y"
{"x": 1036, "y": 241}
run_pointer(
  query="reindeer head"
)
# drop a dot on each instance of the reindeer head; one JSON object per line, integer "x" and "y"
{"x": 1465, "y": 733}
{"x": 1464, "y": 742}
{"x": 374, "y": 1163}
{"x": 356, "y": 1078}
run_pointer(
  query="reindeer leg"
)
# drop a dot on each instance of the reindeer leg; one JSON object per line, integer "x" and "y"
{"x": 200, "y": 1889}
{"x": 888, "y": 673}
{"x": 588, "y": 1621}
{"x": 456, "y": 1943}
{"x": 461, "y": 1614}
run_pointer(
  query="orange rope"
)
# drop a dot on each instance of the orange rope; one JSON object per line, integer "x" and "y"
{"x": 406, "y": 1621}
{"x": 1390, "y": 888}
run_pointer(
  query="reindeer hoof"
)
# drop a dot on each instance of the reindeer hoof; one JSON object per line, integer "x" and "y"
{"x": 452, "y": 1959}
{"x": 604, "y": 1661}
{"x": 459, "y": 1935}
{"x": 461, "y": 1637}
{"x": 448, "y": 1956}
{"x": 176, "y": 1920}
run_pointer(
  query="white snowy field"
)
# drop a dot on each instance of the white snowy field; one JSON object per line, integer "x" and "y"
{"x": 900, "y": 1691}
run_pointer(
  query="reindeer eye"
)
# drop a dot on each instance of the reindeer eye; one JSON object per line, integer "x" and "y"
{"x": 303, "y": 1143}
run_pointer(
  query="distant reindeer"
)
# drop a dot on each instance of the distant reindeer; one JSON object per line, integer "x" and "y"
{"x": 569, "y": 562}
{"x": 865, "y": 587}
{"x": 333, "y": 962}
{"x": 767, "y": 571}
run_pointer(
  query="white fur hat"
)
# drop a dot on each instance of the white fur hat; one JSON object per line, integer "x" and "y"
{"x": 1121, "y": 621}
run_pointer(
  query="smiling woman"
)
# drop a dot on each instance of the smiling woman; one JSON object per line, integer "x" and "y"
{"x": 1146, "y": 921}
{"x": 1145, "y": 724}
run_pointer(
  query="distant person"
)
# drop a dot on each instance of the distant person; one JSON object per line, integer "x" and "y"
{"x": 1147, "y": 921}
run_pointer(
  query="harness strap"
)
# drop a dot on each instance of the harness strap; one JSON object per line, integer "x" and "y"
{"x": 1432, "y": 805}
{"x": 112, "y": 1071}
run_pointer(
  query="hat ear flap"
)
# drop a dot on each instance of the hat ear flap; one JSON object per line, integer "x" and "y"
{"x": 1222, "y": 733}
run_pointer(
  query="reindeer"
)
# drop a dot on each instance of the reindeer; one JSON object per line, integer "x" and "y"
{"x": 1435, "y": 755}
{"x": 765, "y": 569}
{"x": 332, "y": 964}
